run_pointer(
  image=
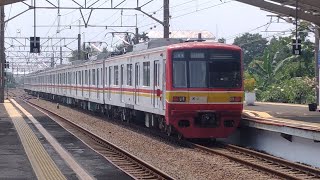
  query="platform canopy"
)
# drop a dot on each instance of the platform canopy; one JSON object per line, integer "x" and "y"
{"x": 6, "y": 2}
{"x": 308, "y": 10}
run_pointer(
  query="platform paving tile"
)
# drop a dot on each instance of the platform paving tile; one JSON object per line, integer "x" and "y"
{"x": 94, "y": 163}
{"x": 14, "y": 163}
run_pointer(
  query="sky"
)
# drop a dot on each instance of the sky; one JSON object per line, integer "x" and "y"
{"x": 225, "y": 19}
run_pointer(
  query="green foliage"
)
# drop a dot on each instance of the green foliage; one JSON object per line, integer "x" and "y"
{"x": 296, "y": 90}
{"x": 249, "y": 85}
{"x": 253, "y": 46}
{"x": 222, "y": 40}
{"x": 74, "y": 55}
{"x": 281, "y": 76}
{"x": 10, "y": 80}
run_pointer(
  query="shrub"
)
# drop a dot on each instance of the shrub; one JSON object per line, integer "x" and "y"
{"x": 249, "y": 84}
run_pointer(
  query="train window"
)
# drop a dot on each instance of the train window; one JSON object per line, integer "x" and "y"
{"x": 178, "y": 55}
{"x": 98, "y": 77}
{"x": 129, "y": 74}
{"x": 76, "y": 77}
{"x": 106, "y": 77}
{"x": 146, "y": 73}
{"x": 137, "y": 74}
{"x": 179, "y": 74}
{"x": 86, "y": 77}
{"x": 93, "y": 73}
{"x": 156, "y": 73}
{"x": 110, "y": 70}
{"x": 90, "y": 77}
{"x": 198, "y": 75}
{"x": 225, "y": 74}
{"x": 101, "y": 75}
{"x": 82, "y": 78}
{"x": 121, "y": 75}
{"x": 116, "y": 76}
{"x": 197, "y": 55}
{"x": 79, "y": 77}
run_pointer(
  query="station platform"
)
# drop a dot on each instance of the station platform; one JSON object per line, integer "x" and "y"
{"x": 288, "y": 119}
{"x": 33, "y": 146}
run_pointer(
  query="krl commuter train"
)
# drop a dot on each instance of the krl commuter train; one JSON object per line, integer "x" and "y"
{"x": 192, "y": 89}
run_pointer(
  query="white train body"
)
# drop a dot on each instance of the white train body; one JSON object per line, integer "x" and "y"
{"x": 193, "y": 89}
{"x": 109, "y": 81}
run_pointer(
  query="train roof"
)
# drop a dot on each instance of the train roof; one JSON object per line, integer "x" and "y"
{"x": 147, "y": 48}
{"x": 204, "y": 45}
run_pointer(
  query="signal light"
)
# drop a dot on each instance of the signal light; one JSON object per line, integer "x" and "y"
{"x": 179, "y": 99}
{"x": 6, "y": 65}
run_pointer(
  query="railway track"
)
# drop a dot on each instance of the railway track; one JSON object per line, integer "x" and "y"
{"x": 263, "y": 162}
{"x": 130, "y": 164}
{"x": 253, "y": 159}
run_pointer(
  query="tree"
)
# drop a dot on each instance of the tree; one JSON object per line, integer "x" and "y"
{"x": 222, "y": 40}
{"x": 267, "y": 68}
{"x": 74, "y": 55}
{"x": 253, "y": 45}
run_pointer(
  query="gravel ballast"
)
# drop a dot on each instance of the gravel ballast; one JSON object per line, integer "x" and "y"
{"x": 178, "y": 162}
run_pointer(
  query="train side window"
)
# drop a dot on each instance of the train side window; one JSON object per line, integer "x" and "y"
{"x": 137, "y": 74}
{"x": 98, "y": 77}
{"x": 146, "y": 73}
{"x": 106, "y": 76}
{"x": 129, "y": 74}
{"x": 122, "y": 74}
{"x": 79, "y": 77}
{"x": 70, "y": 77}
{"x": 110, "y": 73}
{"x": 90, "y": 77}
{"x": 101, "y": 75}
{"x": 116, "y": 76}
{"x": 93, "y": 74}
{"x": 86, "y": 77}
{"x": 74, "y": 78}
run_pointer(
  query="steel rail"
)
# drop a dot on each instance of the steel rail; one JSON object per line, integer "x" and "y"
{"x": 257, "y": 160}
{"x": 139, "y": 169}
{"x": 263, "y": 162}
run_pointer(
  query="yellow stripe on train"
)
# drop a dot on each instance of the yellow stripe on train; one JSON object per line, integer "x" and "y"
{"x": 204, "y": 97}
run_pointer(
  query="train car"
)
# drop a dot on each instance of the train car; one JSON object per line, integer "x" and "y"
{"x": 192, "y": 89}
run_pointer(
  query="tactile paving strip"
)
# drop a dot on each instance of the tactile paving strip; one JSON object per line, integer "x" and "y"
{"x": 42, "y": 164}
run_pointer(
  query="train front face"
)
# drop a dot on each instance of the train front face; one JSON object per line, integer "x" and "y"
{"x": 204, "y": 91}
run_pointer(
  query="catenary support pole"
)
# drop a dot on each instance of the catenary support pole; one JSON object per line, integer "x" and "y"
{"x": 166, "y": 18}
{"x": 2, "y": 55}
{"x": 317, "y": 69}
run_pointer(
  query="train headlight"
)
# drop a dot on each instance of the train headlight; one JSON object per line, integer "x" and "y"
{"x": 179, "y": 99}
{"x": 236, "y": 99}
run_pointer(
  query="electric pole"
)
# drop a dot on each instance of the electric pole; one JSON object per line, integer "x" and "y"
{"x": 317, "y": 57}
{"x": 79, "y": 46}
{"x": 137, "y": 32}
{"x": 2, "y": 54}
{"x": 166, "y": 18}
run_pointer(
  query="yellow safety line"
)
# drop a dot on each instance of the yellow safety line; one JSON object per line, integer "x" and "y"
{"x": 42, "y": 164}
{"x": 283, "y": 104}
{"x": 249, "y": 113}
{"x": 81, "y": 173}
{"x": 257, "y": 114}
